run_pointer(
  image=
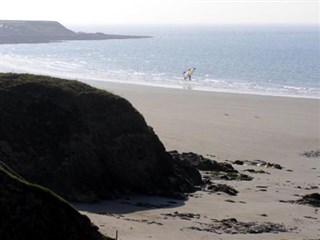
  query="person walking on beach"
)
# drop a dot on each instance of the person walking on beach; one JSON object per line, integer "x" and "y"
{"x": 188, "y": 73}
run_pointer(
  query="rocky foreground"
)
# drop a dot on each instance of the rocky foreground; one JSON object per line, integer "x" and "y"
{"x": 213, "y": 211}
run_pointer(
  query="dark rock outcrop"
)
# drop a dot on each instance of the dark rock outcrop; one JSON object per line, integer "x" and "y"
{"x": 84, "y": 143}
{"x": 218, "y": 170}
{"x": 258, "y": 163}
{"x": 312, "y": 199}
{"x": 202, "y": 163}
{"x": 32, "y": 212}
{"x": 231, "y": 176}
{"x": 222, "y": 188}
{"x": 14, "y": 31}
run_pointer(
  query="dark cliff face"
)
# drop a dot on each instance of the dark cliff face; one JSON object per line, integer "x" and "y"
{"x": 32, "y": 212}
{"x": 85, "y": 144}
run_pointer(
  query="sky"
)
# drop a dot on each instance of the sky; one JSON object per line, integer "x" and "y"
{"x": 163, "y": 11}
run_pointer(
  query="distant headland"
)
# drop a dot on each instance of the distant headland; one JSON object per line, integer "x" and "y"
{"x": 19, "y": 31}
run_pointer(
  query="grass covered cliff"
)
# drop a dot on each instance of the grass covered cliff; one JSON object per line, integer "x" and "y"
{"x": 84, "y": 143}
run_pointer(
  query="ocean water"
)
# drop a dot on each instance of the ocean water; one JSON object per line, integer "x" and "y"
{"x": 267, "y": 60}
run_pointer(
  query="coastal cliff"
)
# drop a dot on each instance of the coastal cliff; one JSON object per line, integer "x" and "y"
{"x": 84, "y": 143}
{"x": 14, "y": 31}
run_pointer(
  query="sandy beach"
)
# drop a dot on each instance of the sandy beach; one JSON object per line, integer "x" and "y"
{"x": 224, "y": 127}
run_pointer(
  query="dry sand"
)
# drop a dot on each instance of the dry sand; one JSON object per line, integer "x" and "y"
{"x": 230, "y": 127}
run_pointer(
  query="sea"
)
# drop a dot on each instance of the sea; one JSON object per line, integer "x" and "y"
{"x": 279, "y": 60}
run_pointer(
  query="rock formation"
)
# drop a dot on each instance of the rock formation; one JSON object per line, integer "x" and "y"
{"x": 84, "y": 143}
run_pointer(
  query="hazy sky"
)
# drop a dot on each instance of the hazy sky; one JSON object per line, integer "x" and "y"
{"x": 163, "y": 11}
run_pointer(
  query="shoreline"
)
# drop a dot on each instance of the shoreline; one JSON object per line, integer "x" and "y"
{"x": 216, "y": 90}
{"x": 184, "y": 85}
